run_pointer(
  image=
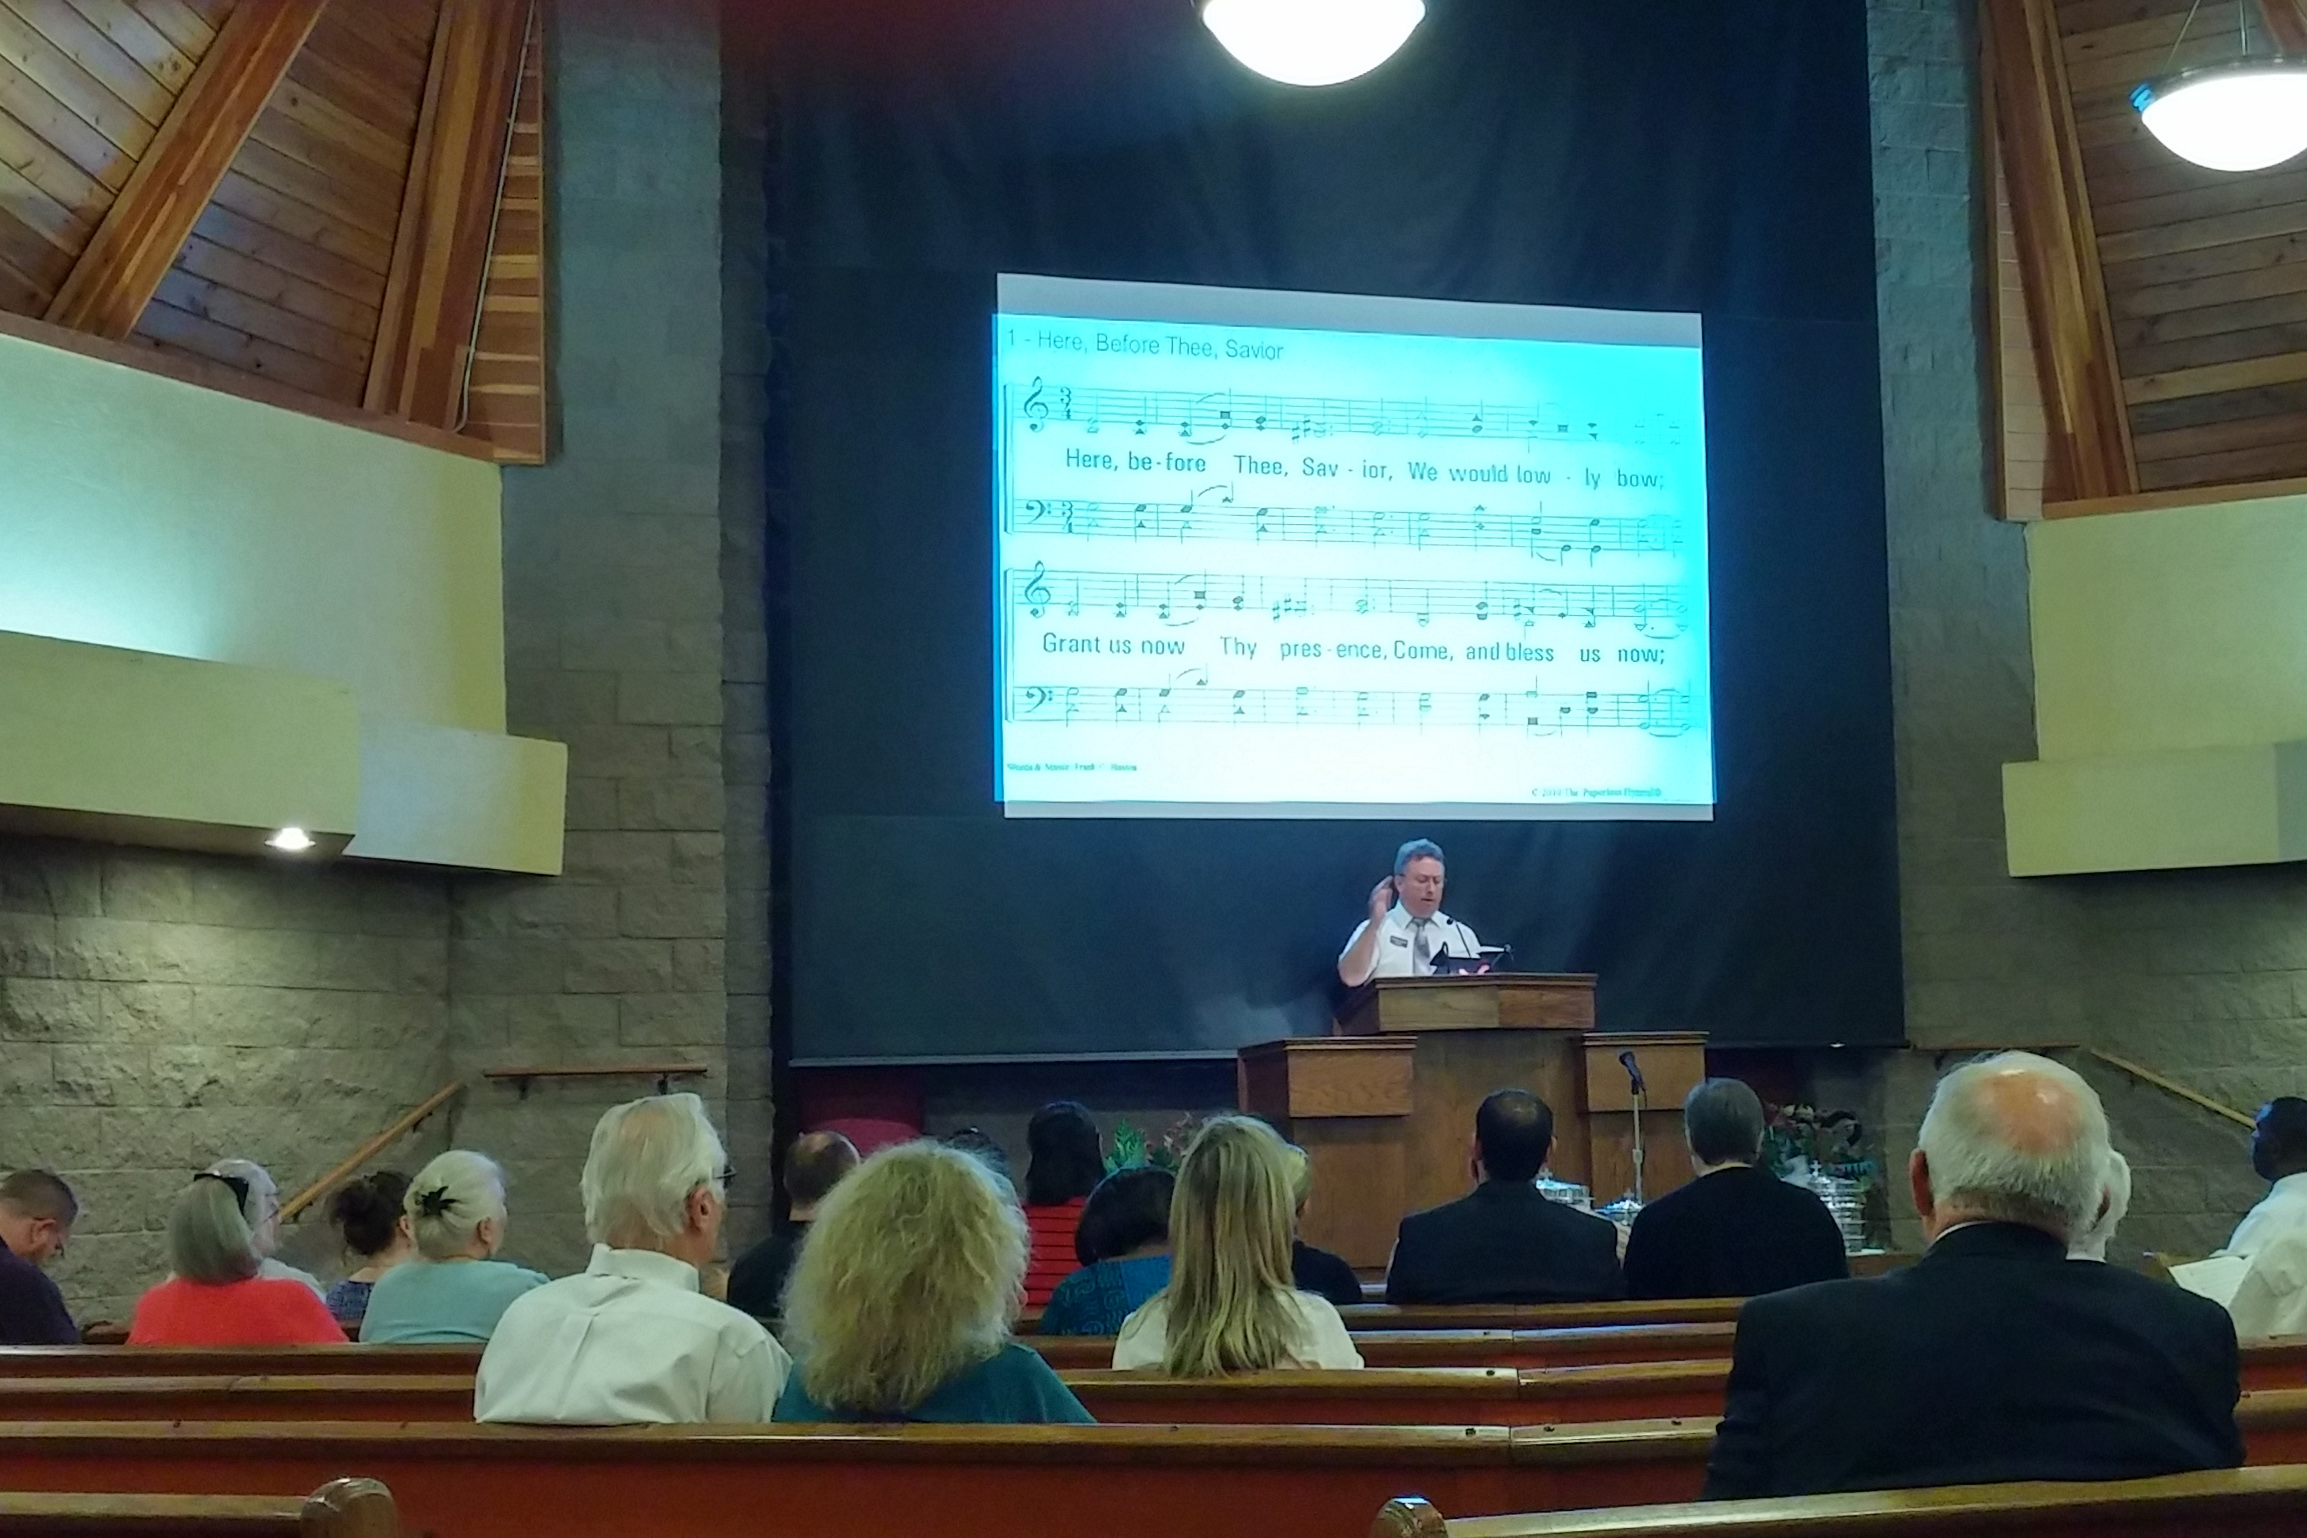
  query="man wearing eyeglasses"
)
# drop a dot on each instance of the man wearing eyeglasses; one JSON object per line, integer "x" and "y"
{"x": 36, "y": 1215}
{"x": 633, "y": 1338}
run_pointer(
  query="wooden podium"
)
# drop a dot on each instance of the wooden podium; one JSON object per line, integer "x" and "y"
{"x": 1386, "y": 1108}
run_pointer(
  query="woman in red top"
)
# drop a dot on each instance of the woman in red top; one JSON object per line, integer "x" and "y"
{"x": 1064, "y": 1164}
{"x": 216, "y": 1298}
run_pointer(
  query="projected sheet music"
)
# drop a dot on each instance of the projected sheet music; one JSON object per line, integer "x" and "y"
{"x": 1418, "y": 556}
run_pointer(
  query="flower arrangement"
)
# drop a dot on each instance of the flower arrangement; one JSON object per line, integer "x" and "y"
{"x": 1131, "y": 1147}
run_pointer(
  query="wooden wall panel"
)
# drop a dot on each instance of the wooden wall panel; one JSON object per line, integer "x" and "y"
{"x": 84, "y": 86}
{"x": 2024, "y": 441}
{"x": 505, "y": 401}
{"x": 283, "y": 276}
{"x": 2205, "y": 271}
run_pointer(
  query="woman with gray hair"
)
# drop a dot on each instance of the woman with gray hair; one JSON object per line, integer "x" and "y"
{"x": 217, "y": 1296}
{"x": 900, "y": 1305}
{"x": 454, "y": 1292}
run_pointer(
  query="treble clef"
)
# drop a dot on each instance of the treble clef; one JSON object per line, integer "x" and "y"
{"x": 1035, "y": 410}
{"x": 1037, "y": 590}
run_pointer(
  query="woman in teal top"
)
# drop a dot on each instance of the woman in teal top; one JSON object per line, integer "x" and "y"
{"x": 900, "y": 1304}
{"x": 1124, "y": 1246}
{"x": 454, "y": 1294}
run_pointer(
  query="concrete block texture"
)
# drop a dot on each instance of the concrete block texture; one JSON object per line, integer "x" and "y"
{"x": 616, "y": 615}
{"x": 159, "y": 1011}
{"x": 2195, "y": 974}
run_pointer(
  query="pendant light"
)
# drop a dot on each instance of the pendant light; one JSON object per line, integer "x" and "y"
{"x": 2244, "y": 115}
{"x": 1312, "y": 42}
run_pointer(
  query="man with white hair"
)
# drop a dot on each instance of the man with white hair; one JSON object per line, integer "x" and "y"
{"x": 1993, "y": 1357}
{"x": 632, "y": 1338}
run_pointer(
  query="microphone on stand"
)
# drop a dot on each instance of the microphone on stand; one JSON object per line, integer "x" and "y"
{"x": 1641, "y": 1100}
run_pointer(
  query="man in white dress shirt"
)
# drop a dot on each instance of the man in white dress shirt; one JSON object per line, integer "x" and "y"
{"x": 1407, "y": 929}
{"x": 631, "y": 1338}
{"x": 2279, "y": 1154}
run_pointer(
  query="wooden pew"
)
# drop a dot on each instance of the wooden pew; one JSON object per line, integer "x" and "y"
{"x": 462, "y": 1481}
{"x": 1380, "y": 1396}
{"x": 2233, "y": 1503}
{"x": 808, "y": 1481}
{"x": 342, "y": 1508}
{"x": 1628, "y": 1463}
{"x": 231, "y": 1361}
{"x": 1538, "y": 1316}
{"x": 1474, "y": 1348}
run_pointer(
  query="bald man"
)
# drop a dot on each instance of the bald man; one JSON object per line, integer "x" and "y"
{"x": 1993, "y": 1357}
{"x": 814, "y": 1165}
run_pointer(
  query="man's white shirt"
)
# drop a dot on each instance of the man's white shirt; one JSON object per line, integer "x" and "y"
{"x": 1398, "y": 942}
{"x": 629, "y": 1339}
{"x": 2282, "y": 1211}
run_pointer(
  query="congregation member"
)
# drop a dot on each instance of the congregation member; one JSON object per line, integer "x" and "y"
{"x": 1064, "y": 1162}
{"x": 815, "y": 1163}
{"x": 1313, "y": 1269}
{"x": 982, "y": 1146}
{"x": 369, "y": 1218}
{"x": 631, "y": 1338}
{"x": 455, "y": 1291}
{"x": 902, "y": 1299}
{"x": 2271, "y": 1298}
{"x": 1123, "y": 1244}
{"x": 37, "y": 1211}
{"x": 1735, "y": 1230}
{"x": 1230, "y": 1305}
{"x": 2114, "y": 1202}
{"x": 260, "y": 1205}
{"x": 1993, "y": 1357}
{"x": 218, "y": 1294}
{"x": 1505, "y": 1242}
{"x": 2279, "y": 1157}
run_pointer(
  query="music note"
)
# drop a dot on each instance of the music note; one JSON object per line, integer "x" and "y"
{"x": 1035, "y": 410}
{"x": 1037, "y": 590}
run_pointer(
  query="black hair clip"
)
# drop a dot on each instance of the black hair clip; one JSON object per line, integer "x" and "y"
{"x": 233, "y": 1183}
{"x": 436, "y": 1203}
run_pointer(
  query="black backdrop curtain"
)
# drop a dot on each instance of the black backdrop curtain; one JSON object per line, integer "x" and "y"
{"x": 1682, "y": 154}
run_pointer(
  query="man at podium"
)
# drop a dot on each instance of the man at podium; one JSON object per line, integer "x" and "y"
{"x": 1407, "y": 931}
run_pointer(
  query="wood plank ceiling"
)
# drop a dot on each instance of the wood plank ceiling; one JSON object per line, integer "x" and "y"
{"x": 284, "y": 271}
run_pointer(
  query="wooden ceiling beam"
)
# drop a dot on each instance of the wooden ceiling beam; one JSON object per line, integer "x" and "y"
{"x": 132, "y": 250}
{"x": 440, "y": 258}
{"x": 2286, "y": 24}
{"x": 2083, "y": 406}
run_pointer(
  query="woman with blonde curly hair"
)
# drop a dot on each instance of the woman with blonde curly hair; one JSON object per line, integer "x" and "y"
{"x": 900, "y": 1303}
{"x": 1230, "y": 1305}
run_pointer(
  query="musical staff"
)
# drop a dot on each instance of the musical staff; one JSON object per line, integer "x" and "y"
{"x": 1552, "y": 537}
{"x": 1205, "y": 417}
{"x": 1657, "y": 609}
{"x": 1192, "y": 700}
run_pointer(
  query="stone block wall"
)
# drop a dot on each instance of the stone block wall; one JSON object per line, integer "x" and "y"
{"x": 745, "y": 257}
{"x": 160, "y": 1011}
{"x": 613, "y": 626}
{"x": 2195, "y": 974}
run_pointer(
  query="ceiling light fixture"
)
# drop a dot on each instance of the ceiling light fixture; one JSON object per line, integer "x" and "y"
{"x": 291, "y": 841}
{"x": 1312, "y": 42}
{"x": 2245, "y": 115}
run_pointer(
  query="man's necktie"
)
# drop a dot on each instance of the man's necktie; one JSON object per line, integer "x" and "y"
{"x": 1421, "y": 946}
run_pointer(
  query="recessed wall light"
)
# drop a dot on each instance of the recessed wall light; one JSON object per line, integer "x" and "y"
{"x": 291, "y": 841}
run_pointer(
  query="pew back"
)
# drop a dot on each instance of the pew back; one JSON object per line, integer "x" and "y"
{"x": 2234, "y": 1503}
{"x": 342, "y": 1508}
{"x": 807, "y": 1481}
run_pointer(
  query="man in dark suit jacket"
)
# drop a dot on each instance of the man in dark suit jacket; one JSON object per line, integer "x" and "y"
{"x": 1505, "y": 1243}
{"x": 1737, "y": 1230}
{"x": 1994, "y": 1357}
{"x": 813, "y": 1166}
